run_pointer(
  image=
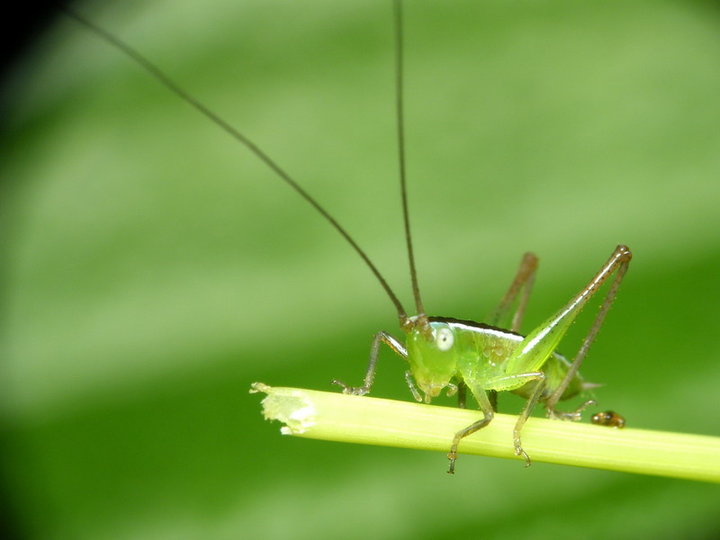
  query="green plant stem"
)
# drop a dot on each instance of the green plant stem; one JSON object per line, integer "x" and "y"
{"x": 338, "y": 417}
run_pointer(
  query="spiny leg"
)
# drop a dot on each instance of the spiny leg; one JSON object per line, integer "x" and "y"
{"x": 523, "y": 281}
{"x": 391, "y": 342}
{"x": 617, "y": 263}
{"x": 533, "y": 352}
{"x": 488, "y": 414}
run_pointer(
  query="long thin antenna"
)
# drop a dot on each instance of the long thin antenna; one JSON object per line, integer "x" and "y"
{"x": 401, "y": 154}
{"x": 160, "y": 76}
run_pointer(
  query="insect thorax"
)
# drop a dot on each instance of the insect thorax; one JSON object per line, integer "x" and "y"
{"x": 473, "y": 353}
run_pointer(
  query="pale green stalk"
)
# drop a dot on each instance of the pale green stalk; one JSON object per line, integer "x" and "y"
{"x": 338, "y": 417}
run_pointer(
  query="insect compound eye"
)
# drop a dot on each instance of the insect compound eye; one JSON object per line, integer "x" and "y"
{"x": 444, "y": 339}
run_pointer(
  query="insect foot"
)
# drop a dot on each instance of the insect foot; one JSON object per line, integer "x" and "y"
{"x": 520, "y": 452}
{"x": 352, "y": 390}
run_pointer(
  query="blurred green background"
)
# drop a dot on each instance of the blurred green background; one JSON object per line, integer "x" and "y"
{"x": 153, "y": 269}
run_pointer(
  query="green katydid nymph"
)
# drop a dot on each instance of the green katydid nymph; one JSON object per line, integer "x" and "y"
{"x": 443, "y": 353}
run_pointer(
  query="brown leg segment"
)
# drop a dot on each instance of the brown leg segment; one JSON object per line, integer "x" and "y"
{"x": 380, "y": 337}
{"x": 523, "y": 281}
{"x": 618, "y": 264}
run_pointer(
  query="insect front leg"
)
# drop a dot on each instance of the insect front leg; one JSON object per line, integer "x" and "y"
{"x": 396, "y": 346}
{"x": 412, "y": 386}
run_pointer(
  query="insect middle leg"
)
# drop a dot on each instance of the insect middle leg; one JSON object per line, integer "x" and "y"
{"x": 481, "y": 395}
{"x": 488, "y": 414}
{"x": 524, "y": 415}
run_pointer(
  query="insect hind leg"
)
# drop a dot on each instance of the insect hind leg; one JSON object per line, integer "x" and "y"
{"x": 618, "y": 264}
{"x": 521, "y": 285}
{"x": 574, "y": 415}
